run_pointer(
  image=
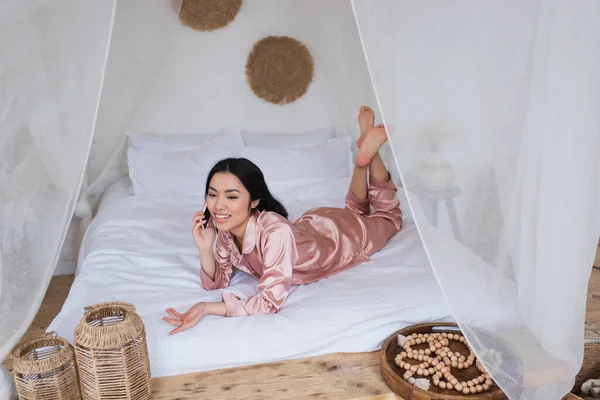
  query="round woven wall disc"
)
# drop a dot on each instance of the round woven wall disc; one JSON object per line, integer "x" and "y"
{"x": 208, "y": 15}
{"x": 279, "y": 69}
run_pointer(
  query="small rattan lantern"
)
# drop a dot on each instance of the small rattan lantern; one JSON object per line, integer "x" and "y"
{"x": 112, "y": 354}
{"x": 44, "y": 368}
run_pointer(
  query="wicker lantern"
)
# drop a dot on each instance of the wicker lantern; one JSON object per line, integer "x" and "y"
{"x": 44, "y": 368}
{"x": 112, "y": 354}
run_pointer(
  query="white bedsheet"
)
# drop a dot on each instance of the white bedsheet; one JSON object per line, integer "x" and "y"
{"x": 140, "y": 250}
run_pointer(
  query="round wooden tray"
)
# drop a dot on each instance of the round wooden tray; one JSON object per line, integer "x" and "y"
{"x": 392, "y": 374}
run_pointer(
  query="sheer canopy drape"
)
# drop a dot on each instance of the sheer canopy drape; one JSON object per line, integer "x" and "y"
{"x": 52, "y": 63}
{"x": 500, "y": 101}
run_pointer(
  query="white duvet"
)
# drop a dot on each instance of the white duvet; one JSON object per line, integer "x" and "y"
{"x": 140, "y": 250}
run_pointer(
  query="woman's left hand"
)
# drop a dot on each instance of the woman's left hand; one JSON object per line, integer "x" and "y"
{"x": 187, "y": 319}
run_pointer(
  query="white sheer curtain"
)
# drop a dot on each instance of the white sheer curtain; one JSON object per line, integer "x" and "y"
{"x": 508, "y": 93}
{"x": 143, "y": 40}
{"x": 52, "y": 58}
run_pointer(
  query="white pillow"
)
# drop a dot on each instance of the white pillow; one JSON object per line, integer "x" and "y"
{"x": 331, "y": 159}
{"x": 177, "y": 172}
{"x": 152, "y": 142}
{"x": 278, "y": 140}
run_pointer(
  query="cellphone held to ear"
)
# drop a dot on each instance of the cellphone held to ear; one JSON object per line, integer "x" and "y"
{"x": 206, "y": 217}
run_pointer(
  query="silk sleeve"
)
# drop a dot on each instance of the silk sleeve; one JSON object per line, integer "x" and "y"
{"x": 280, "y": 254}
{"x": 223, "y": 266}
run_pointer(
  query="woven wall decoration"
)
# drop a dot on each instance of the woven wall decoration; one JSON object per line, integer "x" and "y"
{"x": 44, "y": 368}
{"x": 112, "y": 354}
{"x": 208, "y": 15}
{"x": 279, "y": 69}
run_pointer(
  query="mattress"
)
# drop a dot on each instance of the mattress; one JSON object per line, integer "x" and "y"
{"x": 140, "y": 250}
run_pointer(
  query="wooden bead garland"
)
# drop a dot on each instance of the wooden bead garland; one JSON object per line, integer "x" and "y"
{"x": 441, "y": 365}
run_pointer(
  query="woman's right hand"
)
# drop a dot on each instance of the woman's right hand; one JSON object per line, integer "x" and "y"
{"x": 204, "y": 238}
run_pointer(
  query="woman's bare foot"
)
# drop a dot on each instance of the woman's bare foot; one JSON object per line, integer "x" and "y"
{"x": 366, "y": 119}
{"x": 370, "y": 145}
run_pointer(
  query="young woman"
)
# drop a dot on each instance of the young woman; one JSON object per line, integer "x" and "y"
{"x": 255, "y": 236}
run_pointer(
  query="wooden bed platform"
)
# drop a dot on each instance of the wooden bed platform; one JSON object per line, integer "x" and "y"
{"x": 337, "y": 376}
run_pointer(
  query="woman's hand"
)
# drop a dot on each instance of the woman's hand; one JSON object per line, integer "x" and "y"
{"x": 186, "y": 320}
{"x": 204, "y": 238}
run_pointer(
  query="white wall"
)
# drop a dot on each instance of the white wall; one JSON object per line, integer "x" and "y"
{"x": 205, "y": 87}
{"x": 167, "y": 78}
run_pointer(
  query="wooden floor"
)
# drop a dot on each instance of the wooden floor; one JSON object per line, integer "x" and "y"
{"x": 337, "y": 376}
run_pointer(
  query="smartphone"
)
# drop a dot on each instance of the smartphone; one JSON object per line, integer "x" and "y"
{"x": 206, "y": 217}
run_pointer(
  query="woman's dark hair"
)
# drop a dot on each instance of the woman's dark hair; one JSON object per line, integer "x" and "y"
{"x": 253, "y": 180}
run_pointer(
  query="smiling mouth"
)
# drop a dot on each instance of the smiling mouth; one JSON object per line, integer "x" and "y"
{"x": 220, "y": 218}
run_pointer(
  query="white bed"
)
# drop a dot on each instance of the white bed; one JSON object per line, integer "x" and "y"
{"x": 140, "y": 250}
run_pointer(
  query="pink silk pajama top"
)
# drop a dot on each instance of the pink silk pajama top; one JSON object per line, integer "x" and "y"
{"x": 322, "y": 242}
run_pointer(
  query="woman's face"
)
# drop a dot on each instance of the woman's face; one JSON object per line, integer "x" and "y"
{"x": 228, "y": 202}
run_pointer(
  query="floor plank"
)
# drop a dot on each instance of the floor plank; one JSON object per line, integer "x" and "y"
{"x": 336, "y": 376}
{"x": 593, "y": 300}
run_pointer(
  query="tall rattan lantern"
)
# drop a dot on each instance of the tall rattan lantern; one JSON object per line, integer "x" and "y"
{"x": 112, "y": 354}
